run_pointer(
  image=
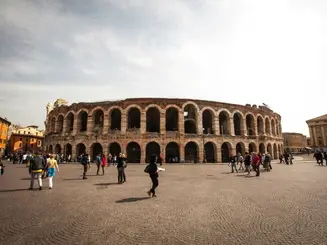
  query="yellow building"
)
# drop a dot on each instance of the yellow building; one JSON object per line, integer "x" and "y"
{"x": 4, "y": 126}
{"x": 26, "y": 139}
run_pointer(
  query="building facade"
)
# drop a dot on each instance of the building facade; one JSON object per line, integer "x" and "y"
{"x": 25, "y": 139}
{"x": 294, "y": 142}
{"x": 4, "y": 128}
{"x": 318, "y": 132}
{"x": 181, "y": 130}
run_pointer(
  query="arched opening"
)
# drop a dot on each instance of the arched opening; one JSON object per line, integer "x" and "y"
{"x": 98, "y": 117}
{"x": 207, "y": 122}
{"x": 134, "y": 118}
{"x": 252, "y": 148}
{"x": 277, "y": 129}
{"x": 267, "y": 126}
{"x": 80, "y": 149}
{"x": 53, "y": 125}
{"x": 58, "y": 149}
{"x": 114, "y": 149}
{"x": 153, "y": 120}
{"x": 210, "y": 152}
{"x": 172, "y": 153}
{"x": 240, "y": 148}
{"x": 60, "y": 123}
{"x": 68, "y": 149}
{"x": 269, "y": 149}
{"x": 191, "y": 152}
{"x": 250, "y": 124}
{"x": 133, "y": 150}
{"x": 115, "y": 119}
{"x": 260, "y": 125}
{"x": 96, "y": 149}
{"x": 273, "y": 127}
{"x": 224, "y": 123}
{"x": 226, "y": 150}
{"x": 190, "y": 119}
{"x": 275, "y": 152}
{"x": 262, "y": 148}
{"x": 237, "y": 123}
{"x": 70, "y": 122}
{"x": 50, "y": 149}
{"x": 82, "y": 124}
{"x": 152, "y": 148}
{"x": 172, "y": 119}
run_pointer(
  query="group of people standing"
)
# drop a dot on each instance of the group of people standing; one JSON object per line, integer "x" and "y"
{"x": 251, "y": 161}
{"x": 320, "y": 156}
{"x": 287, "y": 157}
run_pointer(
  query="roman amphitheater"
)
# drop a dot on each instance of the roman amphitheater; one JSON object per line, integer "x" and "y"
{"x": 182, "y": 130}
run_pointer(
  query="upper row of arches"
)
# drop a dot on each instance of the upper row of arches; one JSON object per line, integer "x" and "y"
{"x": 191, "y": 120}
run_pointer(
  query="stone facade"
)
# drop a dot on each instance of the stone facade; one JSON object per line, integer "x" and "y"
{"x": 181, "y": 130}
{"x": 4, "y": 129}
{"x": 294, "y": 142}
{"x": 318, "y": 132}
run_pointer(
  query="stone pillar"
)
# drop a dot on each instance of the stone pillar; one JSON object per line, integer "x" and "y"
{"x": 163, "y": 152}
{"x": 232, "y": 128}
{"x": 123, "y": 122}
{"x": 73, "y": 152}
{"x": 182, "y": 152}
{"x": 255, "y": 128}
{"x": 219, "y": 156}
{"x": 244, "y": 129}
{"x": 90, "y": 125}
{"x": 315, "y": 136}
{"x": 201, "y": 152}
{"x": 105, "y": 129}
{"x": 199, "y": 125}
{"x": 323, "y": 135}
{"x": 181, "y": 123}
{"x": 64, "y": 128}
{"x": 143, "y": 153}
{"x": 143, "y": 122}
{"x": 105, "y": 150}
{"x": 216, "y": 126}
{"x": 162, "y": 123}
{"x": 76, "y": 125}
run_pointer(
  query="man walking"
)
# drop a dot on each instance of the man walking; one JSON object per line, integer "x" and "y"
{"x": 256, "y": 163}
{"x": 37, "y": 166}
{"x": 86, "y": 164}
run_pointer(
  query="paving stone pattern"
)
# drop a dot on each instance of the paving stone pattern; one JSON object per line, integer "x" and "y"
{"x": 196, "y": 204}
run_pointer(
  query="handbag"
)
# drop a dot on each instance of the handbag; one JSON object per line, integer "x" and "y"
{"x": 147, "y": 168}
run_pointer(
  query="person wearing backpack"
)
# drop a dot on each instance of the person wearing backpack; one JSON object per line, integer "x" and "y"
{"x": 121, "y": 165}
{"x": 86, "y": 164}
{"x": 98, "y": 163}
{"x": 37, "y": 166}
{"x": 152, "y": 170}
{"x": 247, "y": 163}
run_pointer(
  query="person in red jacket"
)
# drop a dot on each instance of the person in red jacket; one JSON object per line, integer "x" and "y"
{"x": 256, "y": 163}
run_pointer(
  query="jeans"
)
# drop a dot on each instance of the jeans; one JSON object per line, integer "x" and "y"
{"x": 98, "y": 169}
{"x": 256, "y": 168}
{"x": 84, "y": 170}
{"x": 155, "y": 184}
{"x": 234, "y": 166}
{"x": 39, "y": 179}
{"x": 121, "y": 175}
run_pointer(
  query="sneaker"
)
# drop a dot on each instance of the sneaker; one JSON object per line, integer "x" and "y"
{"x": 149, "y": 193}
{"x": 154, "y": 195}
{"x": 84, "y": 177}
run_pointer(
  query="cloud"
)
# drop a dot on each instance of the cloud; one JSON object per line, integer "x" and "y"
{"x": 231, "y": 50}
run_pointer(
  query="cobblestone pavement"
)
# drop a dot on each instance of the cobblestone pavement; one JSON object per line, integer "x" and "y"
{"x": 197, "y": 204}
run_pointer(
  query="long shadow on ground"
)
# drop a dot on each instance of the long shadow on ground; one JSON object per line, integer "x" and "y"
{"x": 14, "y": 190}
{"x": 132, "y": 199}
{"x": 106, "y": 184}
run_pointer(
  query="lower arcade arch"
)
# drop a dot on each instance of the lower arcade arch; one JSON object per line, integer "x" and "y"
{"x": 262, "y": 148}
{"x": 226, "y": 150}
{"x": 240, "y": 148}
{"x": 80, "y": 149}
{"x": 269, "y": 149}
{"x": 68, "y": 149}
{"x": 57, "y": 149}
{"x": 191, "y": 152}
{"x": 275, "y": 152}
{"x": 50, "y": 149}
{"x": 210, "y": 152}
{"x": 252, "y": 148}
{"x": 172, "y": 153}
{"x": 133, "y": 151}
{"x": 152, "y": 148}
{"x": 96, "y": 149}
{"x": 114, "y": 149}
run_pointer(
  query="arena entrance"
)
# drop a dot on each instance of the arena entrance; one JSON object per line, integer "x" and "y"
{"x": 133, "y": 150}
{"x": 172, "y": 153}
{"x": 191, "y": 152}
{"x": 152, "y": 148}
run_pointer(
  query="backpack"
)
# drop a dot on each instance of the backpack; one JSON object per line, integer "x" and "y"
{"x": 267, "y": 159}
{"x": 147, "y": 168}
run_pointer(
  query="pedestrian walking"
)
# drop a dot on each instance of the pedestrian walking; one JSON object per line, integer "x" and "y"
{"x": 152, "y": 169}
{"x": 37, "y": 166}
{"x": 240, "y": 160}
{"x": 233, "y": 162}
{"x": 52, "y": 167}
{"x": 98, "y": 163}
{"x": 103, "y": 163}
{"x": 86, "y": 164}
{"x": 121, "y": 165}
{"x": 256, "y": 163}
{"x": 247, "y": 163}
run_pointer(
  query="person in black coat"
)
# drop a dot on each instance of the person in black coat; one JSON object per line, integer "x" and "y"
{"x": 153, "y": 173}
{"x": 121, "y": 165}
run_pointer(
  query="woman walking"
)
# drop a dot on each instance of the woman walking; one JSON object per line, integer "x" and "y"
{"x": 52, "y": 167}
{"x": 121, "y": 168}
{"x": 103, "y": 163}
{"x": 153, "y": 173}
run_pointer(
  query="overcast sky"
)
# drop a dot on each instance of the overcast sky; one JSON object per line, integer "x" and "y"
{"x": 251, "y": 51}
